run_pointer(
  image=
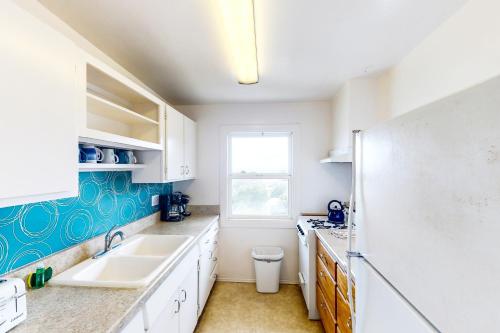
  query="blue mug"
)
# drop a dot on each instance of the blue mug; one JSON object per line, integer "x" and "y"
{"x": 90, "y": 154}
{"x": 126, "y": 157}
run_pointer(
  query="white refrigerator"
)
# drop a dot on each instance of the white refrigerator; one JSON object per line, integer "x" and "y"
{"x": 427, "y": 215}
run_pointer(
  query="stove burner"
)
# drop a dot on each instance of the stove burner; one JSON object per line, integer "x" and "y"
{"x": 320, "y": 224}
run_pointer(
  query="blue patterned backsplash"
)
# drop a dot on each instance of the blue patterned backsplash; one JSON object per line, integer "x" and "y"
{"x": 33, "y": 231}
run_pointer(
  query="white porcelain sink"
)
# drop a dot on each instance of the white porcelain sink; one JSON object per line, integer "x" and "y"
{"x": 152, "y": 245}
{"x": 133, "y": 264}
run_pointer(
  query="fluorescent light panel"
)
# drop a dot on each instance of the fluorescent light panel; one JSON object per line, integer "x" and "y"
{"x": 239, "y": 25}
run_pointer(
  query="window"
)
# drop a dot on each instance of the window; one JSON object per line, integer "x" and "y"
{"x": 259, "y": 174}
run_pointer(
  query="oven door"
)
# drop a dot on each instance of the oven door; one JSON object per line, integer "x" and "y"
{"x": 304, "y": 266}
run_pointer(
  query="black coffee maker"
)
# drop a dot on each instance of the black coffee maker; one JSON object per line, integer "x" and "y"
{"x": 174, "y": 206}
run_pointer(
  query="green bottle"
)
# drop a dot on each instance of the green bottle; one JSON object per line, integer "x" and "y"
{"x": 39, "y": 276}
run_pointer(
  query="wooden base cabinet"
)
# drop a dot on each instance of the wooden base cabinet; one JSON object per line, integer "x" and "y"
{"x": 331, "y": 293}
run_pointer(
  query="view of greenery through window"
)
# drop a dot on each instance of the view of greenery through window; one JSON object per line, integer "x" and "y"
{"x": 259, "y": 184}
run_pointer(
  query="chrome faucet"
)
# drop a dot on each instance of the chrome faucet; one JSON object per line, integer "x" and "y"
{"x": 108, "y": 240}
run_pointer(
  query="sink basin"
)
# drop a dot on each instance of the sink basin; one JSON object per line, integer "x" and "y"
{"x": 153, "y": 245}
{"x": 133, "y": 264}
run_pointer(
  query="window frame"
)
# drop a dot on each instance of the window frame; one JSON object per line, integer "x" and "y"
{"x": 226, "y": 176}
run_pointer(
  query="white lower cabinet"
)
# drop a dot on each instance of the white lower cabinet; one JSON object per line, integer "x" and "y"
{"x": 136, "y": 325}
{"x": 208, "y": 265}
{"x": 173, "y": 307}
{"x": 178, "y": 302}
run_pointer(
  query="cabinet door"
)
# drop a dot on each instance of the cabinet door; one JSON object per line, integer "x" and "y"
{"x": 38, "y": 134}
{"x": 190, "y": 148}
{"x": 174, "y": 144}
{"x": 189, "y": 302}
{"x": 136, "y": 325}
{"x": 168, "y": 320}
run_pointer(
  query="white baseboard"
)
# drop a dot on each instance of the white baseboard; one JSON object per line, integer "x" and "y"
{"x": 243, "y": 280}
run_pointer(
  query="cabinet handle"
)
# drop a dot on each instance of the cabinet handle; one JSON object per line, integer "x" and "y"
{"x": 187, "y": 170}
{"x": 215, "y": 243}
{"x": 183, "y": 298}
{"x": 321, "y": 273}
{"x": 349, "y": 322}
{"x": 178, "y": 306}
{"x": 211, "y": 255}
{"x": 215, "y": 259}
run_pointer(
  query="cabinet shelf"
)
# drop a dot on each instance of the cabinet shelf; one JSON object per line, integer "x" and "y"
{"x": 111, "y": 140}
{"x": 89, "y": 167}
{"x": 102, "y": 107}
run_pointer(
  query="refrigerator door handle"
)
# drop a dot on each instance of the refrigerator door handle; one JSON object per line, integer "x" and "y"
{"x": 350, "y": 253}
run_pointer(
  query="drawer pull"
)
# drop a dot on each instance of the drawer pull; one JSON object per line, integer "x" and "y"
{"x": 321, "y": 273}
{"x": 215, "y": 243}
{"x": 349, "y": 323}
{"x": 215, "y": 259}
{"x": 178, "y": 306}
{"x": 184, "y": 297}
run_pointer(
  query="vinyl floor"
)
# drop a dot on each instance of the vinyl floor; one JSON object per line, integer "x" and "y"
{"x": 239, "y": 308}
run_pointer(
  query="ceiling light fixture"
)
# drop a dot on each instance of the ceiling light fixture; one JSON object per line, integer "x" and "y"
{"x": 239, "y": 25}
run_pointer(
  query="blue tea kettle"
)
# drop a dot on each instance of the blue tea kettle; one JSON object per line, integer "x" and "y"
{"x": 336, "y": 212}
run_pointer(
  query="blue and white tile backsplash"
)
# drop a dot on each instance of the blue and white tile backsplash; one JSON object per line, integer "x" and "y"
{"x": 33, "y": 231}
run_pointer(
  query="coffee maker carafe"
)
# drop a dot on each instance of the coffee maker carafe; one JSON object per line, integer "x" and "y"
{"x": 174, "y": 206}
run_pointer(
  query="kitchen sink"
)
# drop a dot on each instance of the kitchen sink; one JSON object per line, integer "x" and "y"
{"x": 135, "y": 263}
{"x": 153, "y": 245}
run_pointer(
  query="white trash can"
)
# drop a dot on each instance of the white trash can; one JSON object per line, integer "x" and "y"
{"x": 267, "y": 261}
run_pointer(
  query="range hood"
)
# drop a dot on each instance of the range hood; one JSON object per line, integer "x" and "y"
{"x": 343, "y": 155}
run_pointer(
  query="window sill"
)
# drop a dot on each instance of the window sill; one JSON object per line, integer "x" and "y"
{"x": 259, "y": 223}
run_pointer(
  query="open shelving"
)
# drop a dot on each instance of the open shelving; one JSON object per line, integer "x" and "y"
{"x": 120, "y": 114}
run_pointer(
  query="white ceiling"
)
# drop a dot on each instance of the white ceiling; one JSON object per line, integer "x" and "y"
{"x": 306, "y": 48}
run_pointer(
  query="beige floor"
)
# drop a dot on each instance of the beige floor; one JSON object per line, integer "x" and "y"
{"x": 239, "y": 308}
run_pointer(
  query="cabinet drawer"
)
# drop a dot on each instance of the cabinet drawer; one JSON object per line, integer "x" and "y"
{"x": 326, "y": 259}
{"x": 343, "y": 314}
{"x": 342, "y": 282}
{"x": 327, "y": 317}
{"x": 327, "y": 284}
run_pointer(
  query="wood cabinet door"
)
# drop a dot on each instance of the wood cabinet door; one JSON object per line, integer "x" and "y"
{"x": 188, "y": 296}
{"x": 189, "y": 148}
{"x": 38, "y": 131}
{"x": 174, "y": 144}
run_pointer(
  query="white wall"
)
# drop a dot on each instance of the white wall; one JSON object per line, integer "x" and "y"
{"x": 462, "y": 52}
{"x": 317, "y": 183}
{"x": 359, "y": 104}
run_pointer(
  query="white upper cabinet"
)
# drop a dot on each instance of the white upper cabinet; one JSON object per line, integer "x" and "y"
{"x": 174, "y": 144}
{"x": 178, "y": 161}
{"x": 355, "y": 106}
{"x": 189, "y": 148}
{"x": 38, "y": 131}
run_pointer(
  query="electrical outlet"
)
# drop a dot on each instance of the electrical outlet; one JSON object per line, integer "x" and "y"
{"x": 155, "y": 200}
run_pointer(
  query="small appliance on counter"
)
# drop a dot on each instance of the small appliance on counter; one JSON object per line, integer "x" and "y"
{"x": 336, "y": 212}
{"x": 174, "y": 206}
{"x": 12, "y": 303}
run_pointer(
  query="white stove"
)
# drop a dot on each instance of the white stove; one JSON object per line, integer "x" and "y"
{"x": 307, "y": 256}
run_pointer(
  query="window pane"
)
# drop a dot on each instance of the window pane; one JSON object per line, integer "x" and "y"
{"x": 260, "y": 197}
{"x": 260, "y": 154}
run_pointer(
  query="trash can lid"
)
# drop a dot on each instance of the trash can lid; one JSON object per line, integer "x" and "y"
{"x": 267, "y": 253}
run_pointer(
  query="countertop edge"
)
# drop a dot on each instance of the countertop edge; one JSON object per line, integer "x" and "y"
{"x": 341, "y": 260}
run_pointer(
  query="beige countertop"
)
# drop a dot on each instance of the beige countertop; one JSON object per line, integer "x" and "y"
{"x": 95, "y": 310}
{"x": 337, "y": 247}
